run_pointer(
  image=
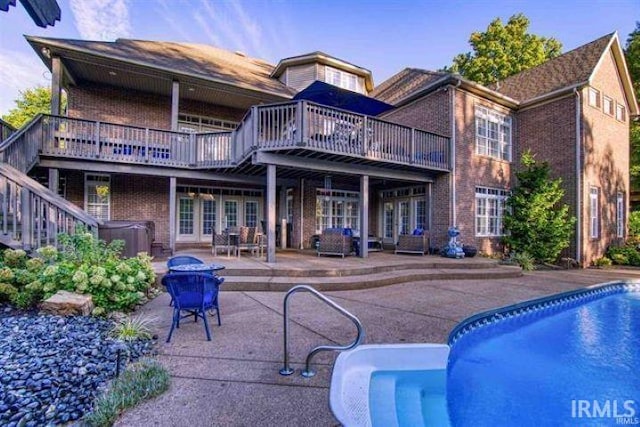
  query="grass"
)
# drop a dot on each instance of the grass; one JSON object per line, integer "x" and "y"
{"x": 133, "y": 328}
{"x": 141, "y": 381}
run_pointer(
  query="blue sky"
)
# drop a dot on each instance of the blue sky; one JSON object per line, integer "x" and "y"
{"x": 383, "y": 36}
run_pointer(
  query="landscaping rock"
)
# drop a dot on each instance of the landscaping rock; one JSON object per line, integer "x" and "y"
{"x": 52, "y": 368}
{"x": 65, "y": 303}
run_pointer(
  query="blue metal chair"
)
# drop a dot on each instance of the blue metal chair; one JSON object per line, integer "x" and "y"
{"x": 195, "y": 294}
{"x": 181, "y": 260}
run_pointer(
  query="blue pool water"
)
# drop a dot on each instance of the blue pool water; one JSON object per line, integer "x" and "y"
{"x": 537, "y": 369}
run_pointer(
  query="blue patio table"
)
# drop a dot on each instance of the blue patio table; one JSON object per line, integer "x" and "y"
{"x": 196, "y": 268}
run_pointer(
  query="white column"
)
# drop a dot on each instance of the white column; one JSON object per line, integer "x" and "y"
{"x": 364, "y": 216}
{"x": 271, "y": 213}
{"x": 175, "y": 104}
{"x": 172, "y": 213}
{"x": 56, "y": 85}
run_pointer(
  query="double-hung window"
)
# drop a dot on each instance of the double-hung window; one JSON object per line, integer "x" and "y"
{"x": 594, "y": 212}
{"x": 490, "y": 208}
{"x": 97, "y": 196}
{"x": 620, "y": 208}
{"x": 342, "y": 79}
{"x": 493, "y": 134}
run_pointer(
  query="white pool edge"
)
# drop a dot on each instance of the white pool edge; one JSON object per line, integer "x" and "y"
{"x": 349, "y": 391}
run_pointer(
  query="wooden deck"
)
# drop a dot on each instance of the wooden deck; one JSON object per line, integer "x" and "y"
{"x": 277, "y": 128}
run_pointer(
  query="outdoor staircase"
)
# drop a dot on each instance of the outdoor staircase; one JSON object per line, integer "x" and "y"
{"x": 31, "y": 215}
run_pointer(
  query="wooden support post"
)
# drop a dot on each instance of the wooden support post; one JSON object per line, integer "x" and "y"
{"x": 53, "y": 180}
{"x": 97, "y": 139}
{"x": 175, "y": 104}
{"x": 56, "y": 85}
{"x": 364, "y": 216}
{"x": 172, "y": 213}
{"x": 365, "y": 136}
{"x": 26, "y": 218}
{"x": 271, "y": 213}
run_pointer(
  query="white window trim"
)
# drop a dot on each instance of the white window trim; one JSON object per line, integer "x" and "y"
{"x": 505, "y": 148}
{"x": 620, "y": 214}
{"x": 620, "y": 107}
{"x": 335, "y": 196}
{"x": 344, "y": 79}
{"x": 501, "y": 196}
{"x": 594, "y": 212}
{"x": 598, "y": 98}
{"x": 88, "y": 182}
{"x": 612, "y": 103}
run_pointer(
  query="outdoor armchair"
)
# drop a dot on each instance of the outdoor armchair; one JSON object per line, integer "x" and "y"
{"x": 413, "y": 244}
{"x": 335, "y": 241}
{"x": 222, "y": 241}
{"x": 194, "y": 294}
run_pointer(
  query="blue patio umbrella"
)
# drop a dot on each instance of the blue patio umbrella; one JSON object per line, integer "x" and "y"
{"x": 333, "y": 96}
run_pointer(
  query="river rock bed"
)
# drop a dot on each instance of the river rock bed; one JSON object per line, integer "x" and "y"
{"x": 52, "y": 367}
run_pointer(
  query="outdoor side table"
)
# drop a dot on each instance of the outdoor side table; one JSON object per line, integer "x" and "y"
{"x": 196, "y": 268}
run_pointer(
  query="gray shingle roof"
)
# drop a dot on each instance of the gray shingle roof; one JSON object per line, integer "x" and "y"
{"x": 404, "y": 83}
{"x": 568, "y": 69}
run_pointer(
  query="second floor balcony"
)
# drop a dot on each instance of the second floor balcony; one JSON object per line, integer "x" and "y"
{"x": 293, "y": 128}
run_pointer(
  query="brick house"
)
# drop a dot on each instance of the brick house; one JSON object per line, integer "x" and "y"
{"x": 197, "y": 139}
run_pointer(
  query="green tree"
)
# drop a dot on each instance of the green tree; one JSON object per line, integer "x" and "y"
{"x": 632, "y": 55}
{"x": 30, "y": 103}
{"x": 536, "y": 221}
{"x": 504, "y": 50}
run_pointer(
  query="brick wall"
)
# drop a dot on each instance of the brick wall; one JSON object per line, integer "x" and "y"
{"x": 117, "y": 105}
{"x": 606, "y": 157}
{"x": 129, "y": 107}
{"x": 133, "y": 197}
{"x": 430, "y": 113}
{"x": 474, "y": 170}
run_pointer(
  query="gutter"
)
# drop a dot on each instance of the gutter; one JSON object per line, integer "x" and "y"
{"x": 454, "y": 210}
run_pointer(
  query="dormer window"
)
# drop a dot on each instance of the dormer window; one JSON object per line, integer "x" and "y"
{"x": 341, "y": 79}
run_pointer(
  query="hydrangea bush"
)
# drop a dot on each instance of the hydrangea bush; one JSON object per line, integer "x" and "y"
{"x": 84, "y": 265}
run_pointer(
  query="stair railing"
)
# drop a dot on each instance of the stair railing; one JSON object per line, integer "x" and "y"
{"x": 308, "y": 372}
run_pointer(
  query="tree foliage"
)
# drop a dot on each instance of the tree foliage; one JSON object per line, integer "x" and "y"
{"x": 536, "y": 221}
{"x": 31, "y": 102}
{"x": 632, "y": 55}
{"x": 504, "y": 50}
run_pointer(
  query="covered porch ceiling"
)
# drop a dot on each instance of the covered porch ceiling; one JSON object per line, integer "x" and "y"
{"x": 85, "y": 67}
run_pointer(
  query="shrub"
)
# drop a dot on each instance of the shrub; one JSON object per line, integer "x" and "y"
{"x": 84, "y": 265}
{"x": 624, "y": 255}
{"x": 143, "y": 380}
{"x": 602, "y": 262}
{"x": 536, "y": 220}
{"x": 634, "y": 223}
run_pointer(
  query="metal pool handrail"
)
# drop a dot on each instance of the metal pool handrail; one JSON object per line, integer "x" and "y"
{"x": 308, "y": 373}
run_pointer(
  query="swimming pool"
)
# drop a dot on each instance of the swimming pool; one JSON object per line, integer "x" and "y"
{"x": 568, "y": 359}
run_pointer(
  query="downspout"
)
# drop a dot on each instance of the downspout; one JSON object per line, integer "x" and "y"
{"x": 578, "y": 178}
{"x": 454, "y": 209}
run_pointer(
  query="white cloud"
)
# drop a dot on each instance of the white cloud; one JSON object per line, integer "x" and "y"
{"x": 19, "y": 71}
{"x": 101, "y": 19}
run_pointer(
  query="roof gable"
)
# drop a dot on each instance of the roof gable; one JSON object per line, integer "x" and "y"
{"x": 404, "y": 83}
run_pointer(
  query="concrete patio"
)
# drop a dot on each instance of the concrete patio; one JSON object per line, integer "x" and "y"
{"x": 233, "y": 380}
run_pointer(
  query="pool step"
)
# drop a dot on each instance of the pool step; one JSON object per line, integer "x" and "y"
{"x": 282, "y": 283}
